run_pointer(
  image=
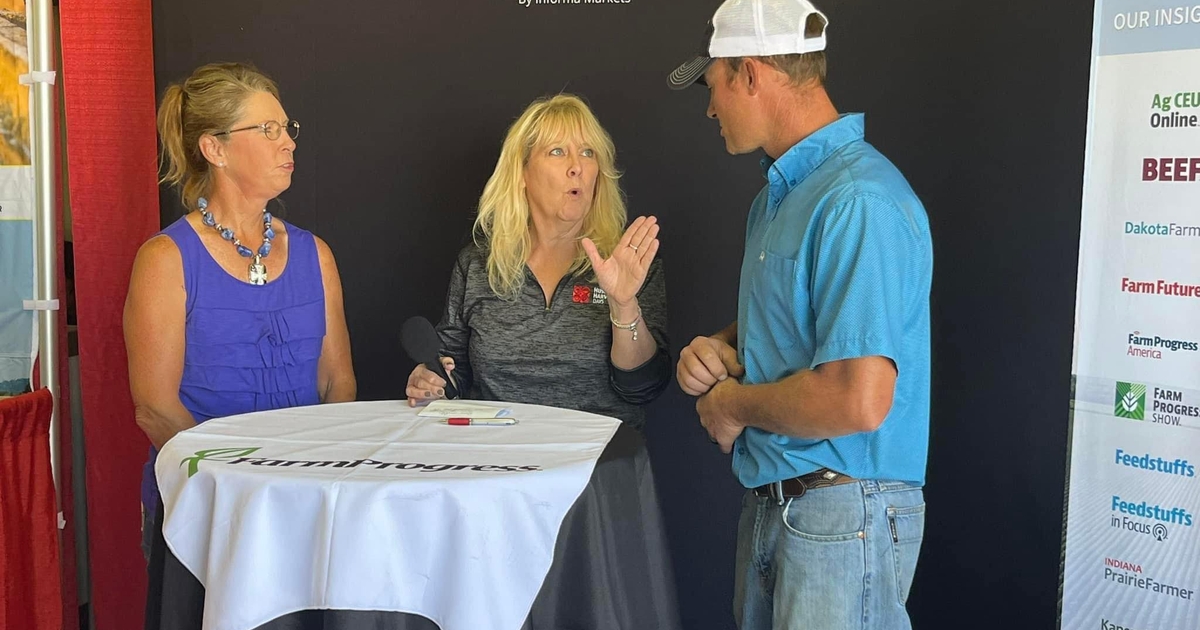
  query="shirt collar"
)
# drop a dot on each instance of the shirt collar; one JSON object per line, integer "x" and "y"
{"x": 801, "y": 160}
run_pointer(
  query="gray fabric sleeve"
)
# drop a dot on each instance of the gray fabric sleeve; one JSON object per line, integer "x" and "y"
{"x": 453, "y": 330}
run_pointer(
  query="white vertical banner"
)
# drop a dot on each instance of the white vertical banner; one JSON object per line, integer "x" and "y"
{"x": 1132, "y": 557}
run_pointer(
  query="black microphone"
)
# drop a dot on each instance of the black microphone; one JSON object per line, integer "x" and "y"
{"x": 422, "y": 344}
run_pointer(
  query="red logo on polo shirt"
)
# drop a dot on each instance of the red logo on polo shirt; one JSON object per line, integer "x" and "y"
{"x": 584, "y": 294}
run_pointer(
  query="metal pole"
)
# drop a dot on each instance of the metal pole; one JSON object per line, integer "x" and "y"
{"x": 39, "y": 27}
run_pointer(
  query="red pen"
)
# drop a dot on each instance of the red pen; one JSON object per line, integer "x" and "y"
{"x": 483, "y": 422}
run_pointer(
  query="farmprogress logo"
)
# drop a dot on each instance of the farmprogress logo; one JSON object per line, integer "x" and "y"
{"x": 242, "y": 457}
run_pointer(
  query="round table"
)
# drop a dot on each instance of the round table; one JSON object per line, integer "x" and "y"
{"x": 610, "y": 564}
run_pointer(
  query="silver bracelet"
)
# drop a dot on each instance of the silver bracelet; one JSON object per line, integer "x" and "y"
{"x": 633, "y": 326}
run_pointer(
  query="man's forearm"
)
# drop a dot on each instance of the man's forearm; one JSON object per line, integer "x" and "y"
{"x": 814, "y": 404}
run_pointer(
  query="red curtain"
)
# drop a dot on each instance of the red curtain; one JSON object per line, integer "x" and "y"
{"x": 30, "y": 587}
{"x": 66, "y": 468}
{"x": 109, "y": 95}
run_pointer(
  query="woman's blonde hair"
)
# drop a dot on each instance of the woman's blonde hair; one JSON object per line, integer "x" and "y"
{"x": 208, "y": 102}
{"x": 502, "y": 225}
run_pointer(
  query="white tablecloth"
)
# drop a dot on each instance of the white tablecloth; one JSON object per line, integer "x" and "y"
{"x": 366, "y": 506}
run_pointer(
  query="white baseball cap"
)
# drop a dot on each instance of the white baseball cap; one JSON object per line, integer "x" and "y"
{"x": 752, "y": 28}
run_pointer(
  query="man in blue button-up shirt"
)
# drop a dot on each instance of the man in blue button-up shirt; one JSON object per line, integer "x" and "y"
{"x": 821, "y": 387}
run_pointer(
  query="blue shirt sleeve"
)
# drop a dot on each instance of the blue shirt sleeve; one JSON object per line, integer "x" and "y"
{"x": 864, "y": 278}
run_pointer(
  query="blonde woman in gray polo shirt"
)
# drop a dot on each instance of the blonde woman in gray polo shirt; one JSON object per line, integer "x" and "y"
{"x": 556, "y": 302}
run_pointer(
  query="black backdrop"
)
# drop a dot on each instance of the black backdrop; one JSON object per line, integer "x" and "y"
{"x": 983, "y": 105}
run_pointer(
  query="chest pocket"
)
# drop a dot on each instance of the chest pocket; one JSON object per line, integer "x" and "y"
{"x": 772, "y": 338}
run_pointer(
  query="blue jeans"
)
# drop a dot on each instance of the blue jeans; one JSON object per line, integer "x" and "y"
{"x": 837, "y": 558}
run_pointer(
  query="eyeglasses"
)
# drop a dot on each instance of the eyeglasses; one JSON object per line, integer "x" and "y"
{"x": 270, "y": 129}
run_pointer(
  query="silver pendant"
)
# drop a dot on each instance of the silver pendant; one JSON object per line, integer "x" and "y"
{"x": 258, "y": 272}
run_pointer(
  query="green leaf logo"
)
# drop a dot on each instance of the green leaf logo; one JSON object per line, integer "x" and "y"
{"x": 1131, "y": 401}
{"x": 214, "y": 454}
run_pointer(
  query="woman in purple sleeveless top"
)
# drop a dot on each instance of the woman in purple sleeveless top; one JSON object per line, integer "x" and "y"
{"x": 230, "y": 310}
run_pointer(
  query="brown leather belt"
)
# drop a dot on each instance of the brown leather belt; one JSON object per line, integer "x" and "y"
{"x": 797, "y": 486}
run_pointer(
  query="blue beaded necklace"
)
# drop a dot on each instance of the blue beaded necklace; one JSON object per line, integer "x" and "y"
{"x": 258, "y": 271}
